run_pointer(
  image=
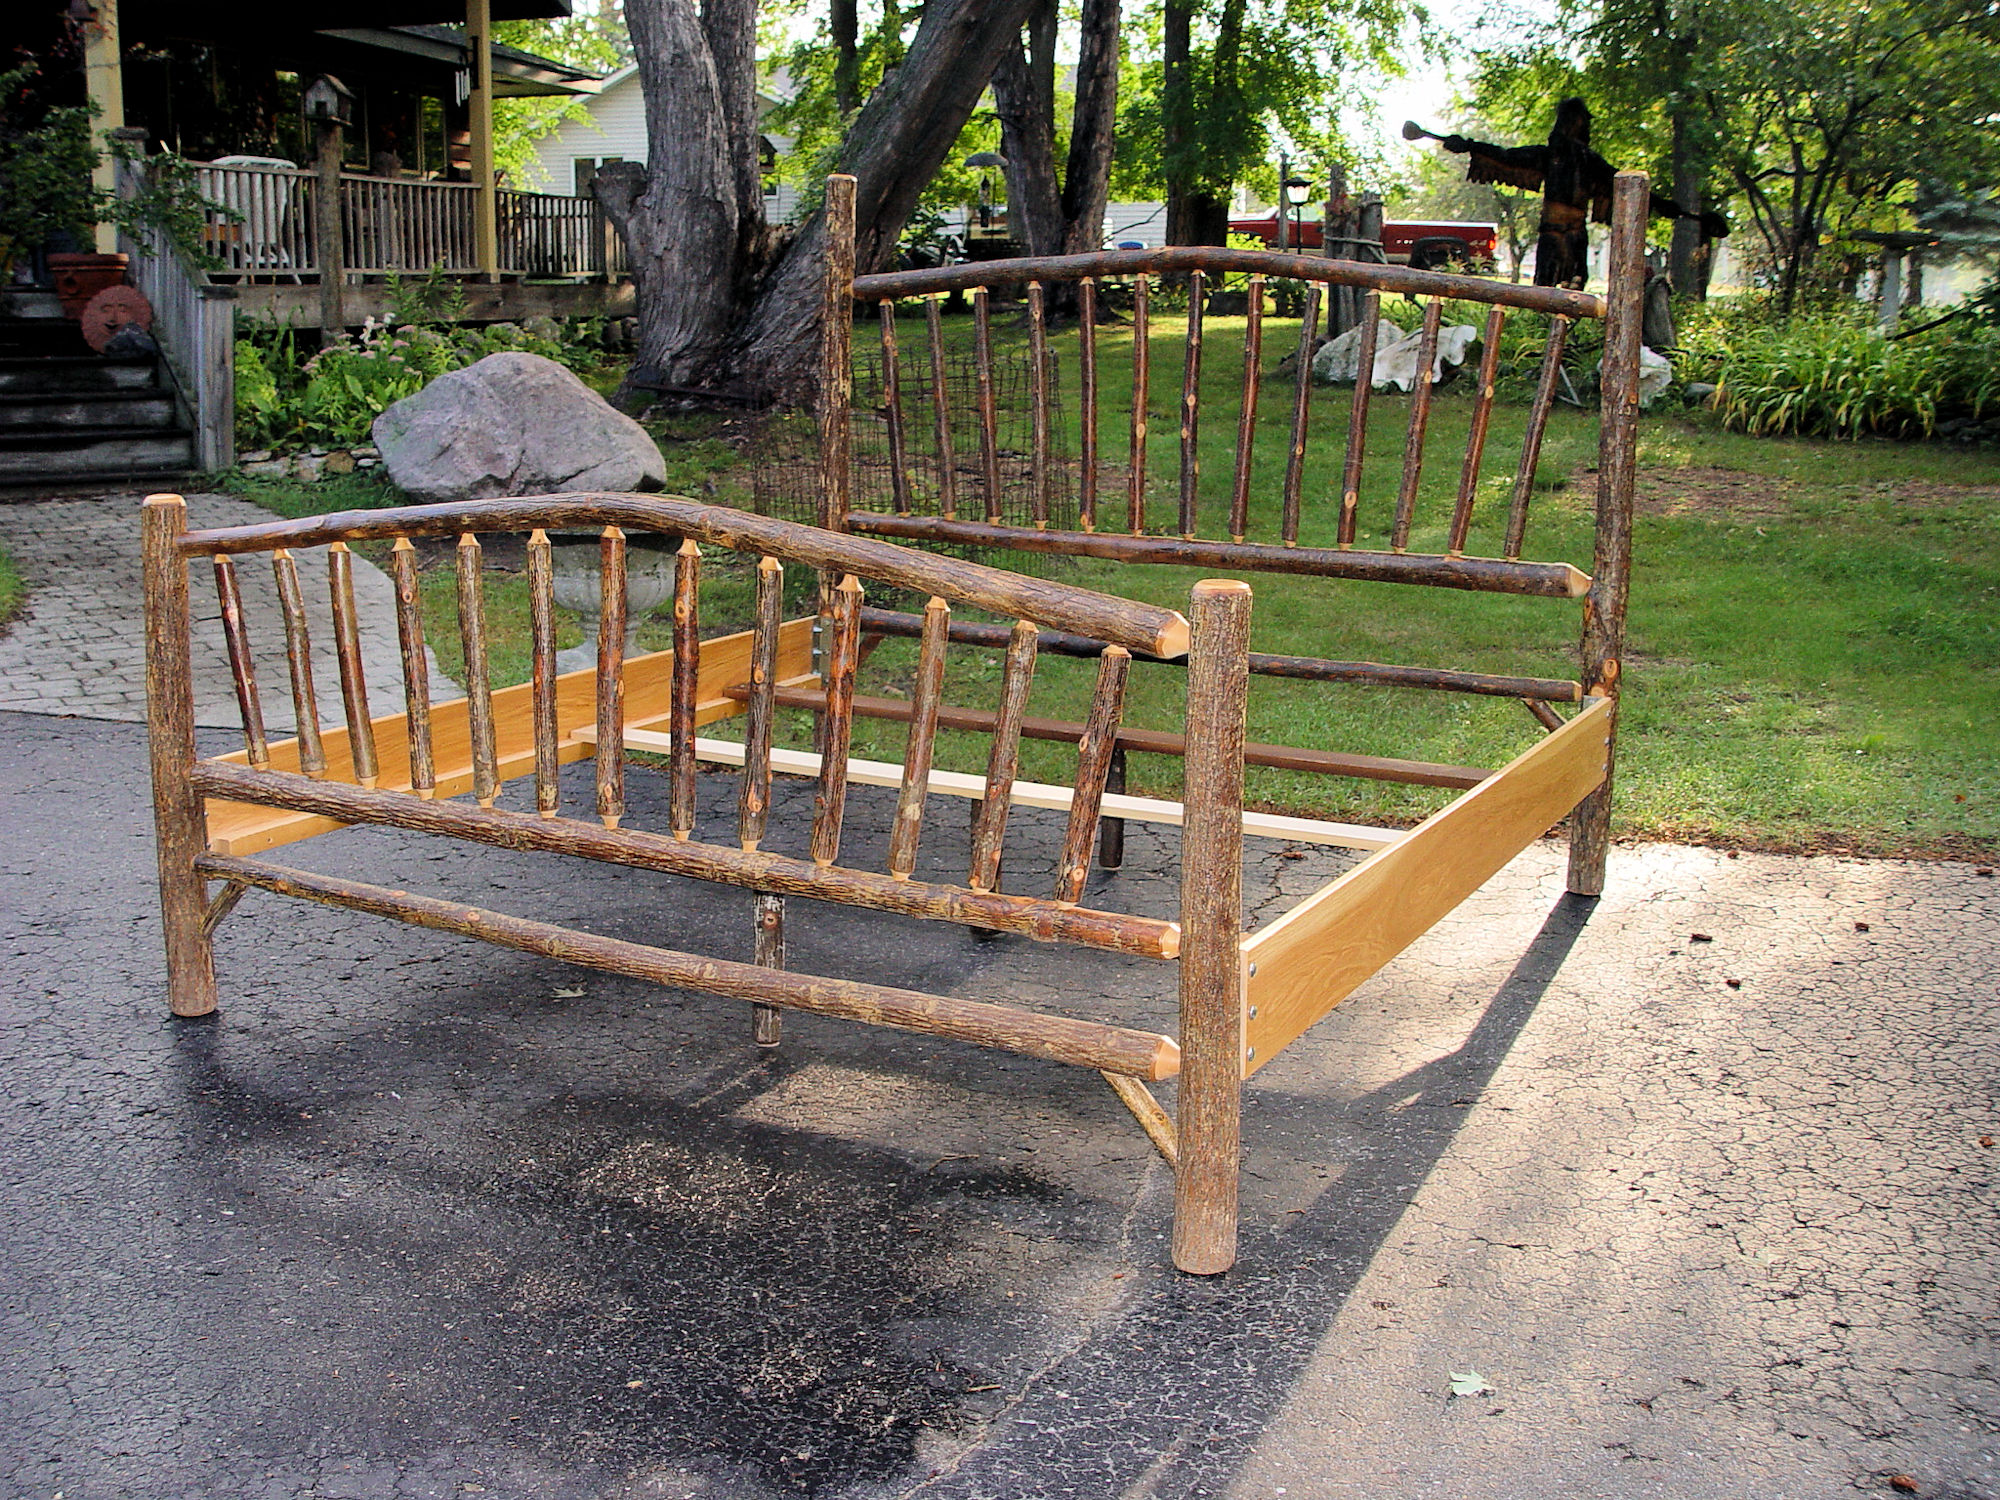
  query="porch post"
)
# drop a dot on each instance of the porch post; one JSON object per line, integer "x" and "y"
{"x": 479, "y": 106}
{"x": 328, "y": 212}
{"x": 104, "y": 80}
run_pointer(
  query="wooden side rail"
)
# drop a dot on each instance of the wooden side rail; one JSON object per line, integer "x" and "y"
{"x": 1090, "y": 1044}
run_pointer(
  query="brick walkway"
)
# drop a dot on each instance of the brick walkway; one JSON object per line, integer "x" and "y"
{"x": 80, "y": 647}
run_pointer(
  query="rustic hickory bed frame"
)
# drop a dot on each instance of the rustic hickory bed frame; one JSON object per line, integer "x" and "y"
{"x": 1243, "y": 997}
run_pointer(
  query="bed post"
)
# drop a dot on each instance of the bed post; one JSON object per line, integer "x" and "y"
{"x": 833, "y": 399}
{"x": 1617, "y": 456}
{"x": 1211, "y": 959}
{"x": 179, "y": 822}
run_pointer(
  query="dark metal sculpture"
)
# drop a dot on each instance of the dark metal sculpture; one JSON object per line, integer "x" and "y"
{"x": 1575, "y": 183}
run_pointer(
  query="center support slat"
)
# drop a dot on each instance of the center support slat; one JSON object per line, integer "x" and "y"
{"x": 925, "y": 695}
{"x": 298, "y": 657}
{"x": 686, "y": 689}
{"x": 1097, "y": 744}
{"x": 753, "y": 807}
{"x": 1295, "y": 458}
{"x": 1246, "y": 413}
{"x": 1109, "y": 1049}
{"x": 242, "y": 671}
{"x": 416, "y": 666}
{"x": 1531, "y": 444}
{"x": 892, "y": 409}
{"x": 478, "y": 683}
{"x": 1086, "y": 360}
{"x": 1038, "y": 418}
{"x": 1142, "y": 365}
{"x": 353, "y": 676}
{"x": 1475, "y": 442}
{"x": 947, "y": 461}
{"x": 1420, "y": 416}
{"x": 1357, "y": 419}
{"x": 989, "y": 418}
{"x": 844, "y": 656}
{"x": 611, "y": 677}
{"x": 1191, "y": 409}
{"x": 542, "y": 637}
{"x": 990, "y": 827}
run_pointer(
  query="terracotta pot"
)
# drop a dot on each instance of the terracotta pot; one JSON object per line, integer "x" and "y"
{"x": 79, "y": 277}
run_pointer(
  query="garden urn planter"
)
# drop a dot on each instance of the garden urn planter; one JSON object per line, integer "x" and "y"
{"x": 576, "y": 573}
{"x": 80, "y": 276}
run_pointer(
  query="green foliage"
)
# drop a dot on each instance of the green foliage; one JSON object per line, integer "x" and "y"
{"x": 596, "y": 40}
{"x": 1834, "y": 374}
{"x": 335, "y": 395}
{"x": 13, "y": 593}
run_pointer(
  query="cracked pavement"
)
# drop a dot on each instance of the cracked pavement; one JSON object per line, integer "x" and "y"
{"x": 413, "y": 1216}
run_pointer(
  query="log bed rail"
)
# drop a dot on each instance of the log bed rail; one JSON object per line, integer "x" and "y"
{"x": 442, "y": 769}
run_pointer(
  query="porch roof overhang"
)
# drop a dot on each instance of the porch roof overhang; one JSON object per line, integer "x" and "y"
{"x": 220, "y": 20}
{"x": 516, "y": 74}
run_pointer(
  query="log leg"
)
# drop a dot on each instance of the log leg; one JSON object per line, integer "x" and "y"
{"x": 1111, "y": 832}
{"x": 179, "y": 821}
{"x": 767, "y": 1020}
{"x": 1208, "y": 1124}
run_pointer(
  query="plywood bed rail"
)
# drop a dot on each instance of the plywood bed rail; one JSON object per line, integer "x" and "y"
{"x": 1127, "y": 623}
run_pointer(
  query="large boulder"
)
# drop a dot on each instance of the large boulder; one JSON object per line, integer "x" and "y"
{"x": 513, "y": 424}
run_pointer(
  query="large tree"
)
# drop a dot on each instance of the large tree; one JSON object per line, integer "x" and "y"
{"x": 1052, "y": 214}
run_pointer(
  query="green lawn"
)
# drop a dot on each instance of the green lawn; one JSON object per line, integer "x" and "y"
{"x": 13, "y": 593}
{"x": 1814, "y": 646}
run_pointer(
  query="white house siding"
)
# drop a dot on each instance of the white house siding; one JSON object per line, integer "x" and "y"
{"x": 613, "y": 127}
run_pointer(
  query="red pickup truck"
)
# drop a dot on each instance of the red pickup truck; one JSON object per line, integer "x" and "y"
{"x": 1424, "y": 245}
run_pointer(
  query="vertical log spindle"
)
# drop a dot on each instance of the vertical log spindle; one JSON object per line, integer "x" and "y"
{"x": 180, "y": 820}
{"x": 1420, "y": 417}
{"x": 925, "y": 695}
{"x": 1357, "y": 418}
{"x": 830, "y": 801}
{"x": 1038, "y": 417}
{"x": 892, "y": 409}
{"x": 241, "y": 668}
{"x": 1093, "y": 762}
{"x": 836, "y": 361}
{"x": 298, "y": 656}
{"x": 1475, "y": 442}
{"x": 947, "y": 461}
{"x": 1111, "y": 831}
{"x": 353, "y": 677}
{"x": 989, "y": 417}
{"x": 767, "y": 1022}
{"x": 1086, "y": 362}
{"x": 1191, "y": 408}
{"x": 1142, "y": 365}
{"x": 611, "y": 678}
{"x": 989, "y": 829}
{"x": 1295, "y": 456}
{"x": 1531, "y": 444}
{"x": 686, "y": 690}
{"x": 1209, "y": 1119}
{"x": 478, "y": 676}
{"x": 1246, "y": 415}
{"x": 753, "y": 807}
{"x": 542, "y": 649}
{"x": 416, "y": 667}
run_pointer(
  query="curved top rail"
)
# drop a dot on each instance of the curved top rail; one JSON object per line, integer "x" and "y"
{"x": 1210, "y": 258}
{"x": 1137, "y": 627}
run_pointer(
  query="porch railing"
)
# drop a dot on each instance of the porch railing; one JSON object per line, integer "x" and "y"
{"x": 395, "y": 225}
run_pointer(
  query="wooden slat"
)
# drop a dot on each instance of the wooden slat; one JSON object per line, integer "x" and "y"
{"x": 1320, "y": 951}
{"x": 1096, "y": 744}
{"x": 542, "y": 650}
{"x": 1475, "y": 442}
{"x": 1086, "y": 336}
{"x": 298, "y": 657}
{"x": 1191, "y": 410}
{"x": 1295, "y": 456}
{"x": 830, "y": 800}
{"x": 835, "y": 396}
{"x": 1246, "y": 412}
{"x": 767, "y": 1024}
{"x": 947, "y": 461}
{"x": 416, "y": 667}
{"x": 923, "y": 704}
{"x": 478, "y": 683}
{"x": 347, "y": 652}
{"x": 989, "y": 830}
{"x": 892, "y": 410}
{"x": 1420, "y": 416}
{"x": 1152, "y": 1119}
{"x": 1531, "y": 443}
{"x": 1038, "y": 402}
{"x": 1357, "y": 419}
{"x": 687, "y": 678}
{"x": 242, "y": 670}
{"x": 989, "y": 419}
{"x": 611, "y": 677}
{"x": 753, "y": 807}
{"x": 1142, "y": 364}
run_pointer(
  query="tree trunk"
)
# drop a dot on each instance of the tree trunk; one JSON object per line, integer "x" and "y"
{"x": 846, "y": 29}
{"x": 681, "y": 213}
{"x": 1024, "y": 95}
{"x": 1683, "y": 255}
{"x": 1177, "y": 114}
{"x": 731, "y": 29}
{"x": 895, "y": 146}
{"x": 1093, "y": 128}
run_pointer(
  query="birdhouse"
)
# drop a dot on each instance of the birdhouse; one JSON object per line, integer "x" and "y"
{"x": 329, "y": 101}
